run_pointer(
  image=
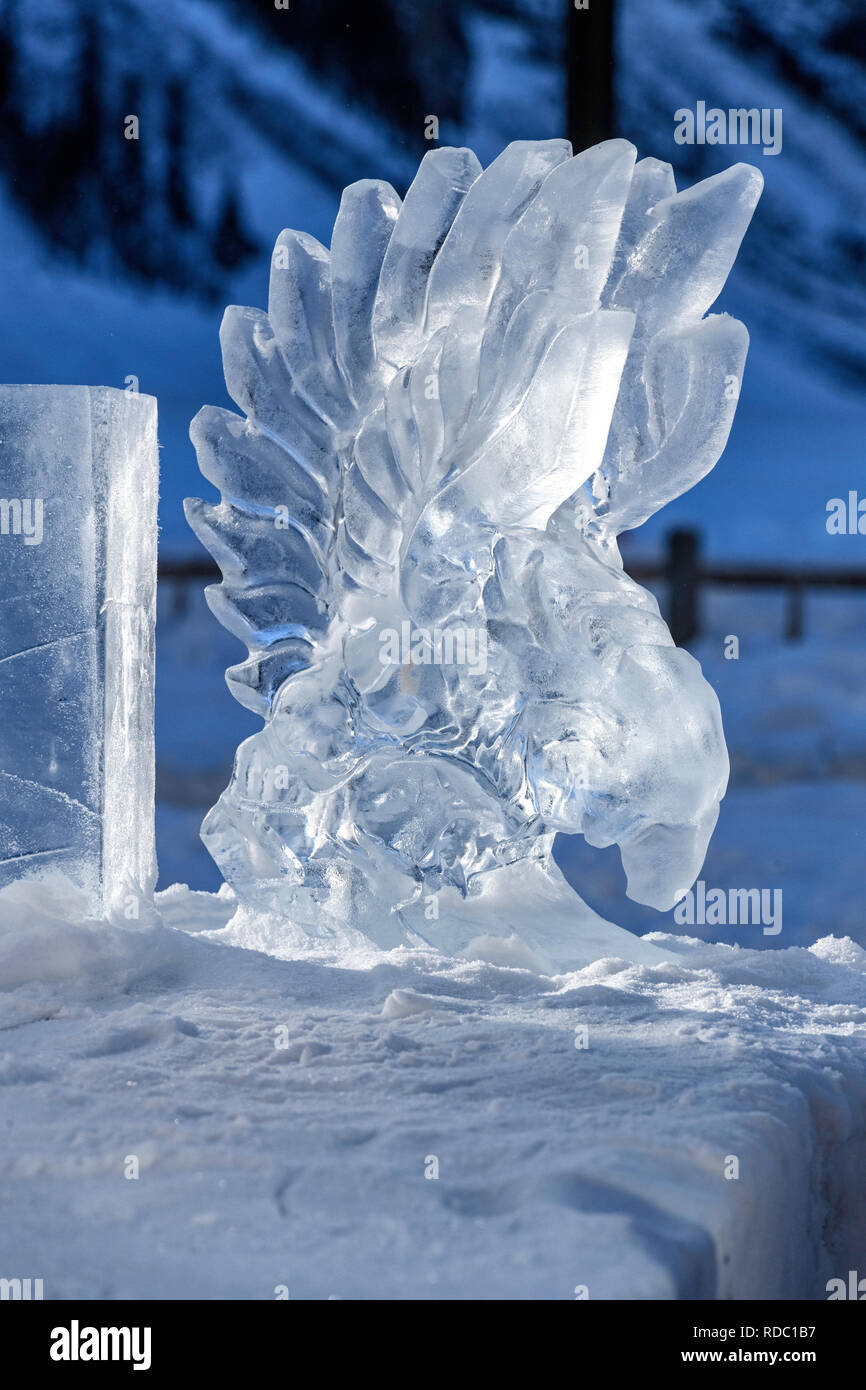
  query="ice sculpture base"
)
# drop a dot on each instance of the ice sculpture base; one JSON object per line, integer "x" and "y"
{"x": 525, "y": 914}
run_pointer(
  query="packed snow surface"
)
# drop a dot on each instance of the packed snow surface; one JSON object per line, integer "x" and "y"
{"x": 407, "y": 1125}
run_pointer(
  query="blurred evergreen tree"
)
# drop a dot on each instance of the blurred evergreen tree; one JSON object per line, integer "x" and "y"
{"x": 177, "y": 194}
{"x": 95, "y": 194}
{"x": 401, "y": 59}
{"x": 231, "y": 245}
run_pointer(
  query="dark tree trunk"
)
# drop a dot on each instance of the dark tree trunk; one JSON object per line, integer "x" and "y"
{"x": 590, "y": 111}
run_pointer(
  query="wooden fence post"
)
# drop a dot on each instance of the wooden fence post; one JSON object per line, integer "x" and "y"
{"x": 794, "y": 619}
{"x": 683, "y": 584}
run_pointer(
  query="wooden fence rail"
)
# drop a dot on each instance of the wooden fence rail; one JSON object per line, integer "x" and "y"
{"x": 686, "y": 577}
{"x": 680, "y": 568}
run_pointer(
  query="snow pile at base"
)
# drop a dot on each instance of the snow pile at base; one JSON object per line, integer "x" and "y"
{"x": 408, "y": 1125}
{"x": 47, "y": 938}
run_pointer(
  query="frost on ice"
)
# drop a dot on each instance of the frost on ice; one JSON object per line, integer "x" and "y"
{"x": 448, "y": 419}
{"x": 78, "y": 495}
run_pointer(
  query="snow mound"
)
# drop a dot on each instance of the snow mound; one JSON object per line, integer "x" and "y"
{"x": 47, "y": 937}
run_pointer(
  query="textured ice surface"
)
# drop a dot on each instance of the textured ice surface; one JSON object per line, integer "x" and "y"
{"x": 449, "y": 419}
{"x": 78, "y": 494}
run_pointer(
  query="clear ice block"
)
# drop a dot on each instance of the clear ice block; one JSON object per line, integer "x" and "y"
{"x": 78, "y": 494}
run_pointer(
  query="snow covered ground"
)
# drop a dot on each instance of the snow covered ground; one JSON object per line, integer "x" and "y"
{"x": 405, "y": 1126}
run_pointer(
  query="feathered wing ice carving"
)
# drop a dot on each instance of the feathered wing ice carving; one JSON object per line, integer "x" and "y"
{"x": 448, "y": 419}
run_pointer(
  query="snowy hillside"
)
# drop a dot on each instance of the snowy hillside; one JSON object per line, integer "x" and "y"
{"x": 802, "y": 264}
{"x": 282, "y": 139}
{"x": 111, "y": 291}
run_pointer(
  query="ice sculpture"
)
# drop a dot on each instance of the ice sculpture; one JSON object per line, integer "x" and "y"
{"x": 449, "y": 419}
{"x": 77, "y": 612}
